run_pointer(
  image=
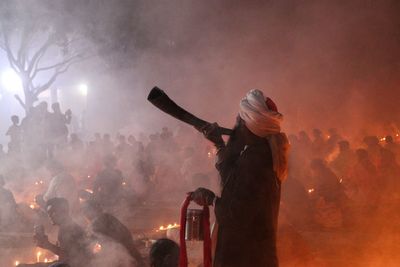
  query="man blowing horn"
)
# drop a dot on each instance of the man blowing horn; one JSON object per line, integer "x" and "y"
{"x": 252, "y": 166}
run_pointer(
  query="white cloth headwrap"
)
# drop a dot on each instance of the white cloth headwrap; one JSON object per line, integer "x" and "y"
{"x": 263, "y": 122}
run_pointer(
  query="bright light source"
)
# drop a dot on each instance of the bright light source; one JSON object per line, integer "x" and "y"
{"x": 11, "y": 81}
{"x": 83, "y": 89}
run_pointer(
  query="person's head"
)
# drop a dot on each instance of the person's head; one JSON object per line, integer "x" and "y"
{"x": 258, "y": 116}
{"x": 164, "y": 253}
{"x": 303, "y": 136}
{"x": 317, "y": 133}
{"x": 56, "y": 107}
{"x": 43, "y": 107}
{"x": 58, "y": 210}
{"x": 389, "y": 139}
{"x": 344, "y": 145}
{"x": 91, "y": 209}
{"x": 15, "y": 119}
{"x": 107, "y": 137}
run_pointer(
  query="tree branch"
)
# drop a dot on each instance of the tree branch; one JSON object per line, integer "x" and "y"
{"x": 38, "y": 55}
{"x": 13, "y": 62}
{"x": 47, "y": 85}
{"x": 59, "y": 64}
{"x": 21, "y": 102}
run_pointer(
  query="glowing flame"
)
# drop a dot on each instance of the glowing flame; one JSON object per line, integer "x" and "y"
{"x": 39, "y": 182}
{"x": 38, "y": 254}
{"x": 341, "y": 180}
{"x": 89, "y": 176}
{"x": 89, "y": 191}
{"x": 169, "y": 226}
{"x": 32, "y": 206}
{"x": 123, "y": 183}
{"x": 311, "y": 190}
{"x": 16, "y": 263}
{"x": 46, "y": 260}
{"x": 382, "y": 139}
{"x": 97, "y": 248}
{"x": 209, "y": 154}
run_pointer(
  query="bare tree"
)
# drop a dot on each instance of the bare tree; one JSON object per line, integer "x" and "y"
{"x": 36, "y": 45}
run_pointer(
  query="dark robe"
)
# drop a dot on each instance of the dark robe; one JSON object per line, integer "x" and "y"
{"x": 111, "y": 227}
{"x": 247, "y": 212}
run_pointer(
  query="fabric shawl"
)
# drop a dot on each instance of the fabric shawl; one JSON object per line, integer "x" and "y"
{"x": 266, "y": 123}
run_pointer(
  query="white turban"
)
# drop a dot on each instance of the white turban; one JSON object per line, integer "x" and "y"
{"x": 264, "y": 122}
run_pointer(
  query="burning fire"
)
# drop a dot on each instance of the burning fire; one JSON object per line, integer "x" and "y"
{"x": 39, "y": 182}
{"x": 169, "y": 226}
{"x": 16, "y": 263}
{"x": 311, "y": 190}
{"x": 89, "y": 191}
{"x": 123, "y": 183}
{"x": 97, "y": 248}
{"x": 38, "y": 254}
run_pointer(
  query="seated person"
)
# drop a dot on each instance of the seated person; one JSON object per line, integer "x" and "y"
{"x": 72, "y": 245}
{"x": 164, "y": 253}
{"x": 107, "y": 225}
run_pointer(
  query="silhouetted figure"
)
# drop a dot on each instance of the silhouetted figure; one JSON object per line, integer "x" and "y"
{"x": 252, "y": 166}
{"x": 107, "y": 145}
{"x": 333, "y": 139}
{"x": 76, "y": 143}
{"x": 344, "y": 161}
{"x": 15, "y": 134}
{"x": 391, "y": 145}
{"x": 8, "y": 207}
{"x": 106, "y": 225}
{"x": 373, "y": 148}
{"x": 389, "y": 172}
{"x": 107, "y": 185}
{"x": 318, "y": 144}
{"x": 62, "y": 185}
{"x": 72, "y": 245}
{"x": 164, "y": 253}
{"x": 329, "y": 195}
{"x": 363, "y": 180}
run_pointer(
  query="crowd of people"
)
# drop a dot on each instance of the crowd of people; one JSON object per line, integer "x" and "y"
{"x": 100, "y": 181}
{"x": 331, "y": 179}
{"x": 104, "y": 178}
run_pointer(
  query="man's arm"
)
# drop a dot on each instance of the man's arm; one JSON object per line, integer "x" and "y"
{"x": 43, "y": 242}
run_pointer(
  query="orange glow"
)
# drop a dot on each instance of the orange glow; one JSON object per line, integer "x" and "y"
{"x": 169, "y": 226}
{"x": 311, "y": 190}
{"x": 97, "y": 248}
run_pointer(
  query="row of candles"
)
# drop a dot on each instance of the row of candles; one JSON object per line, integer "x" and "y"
{"x": 39, "y": 255}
